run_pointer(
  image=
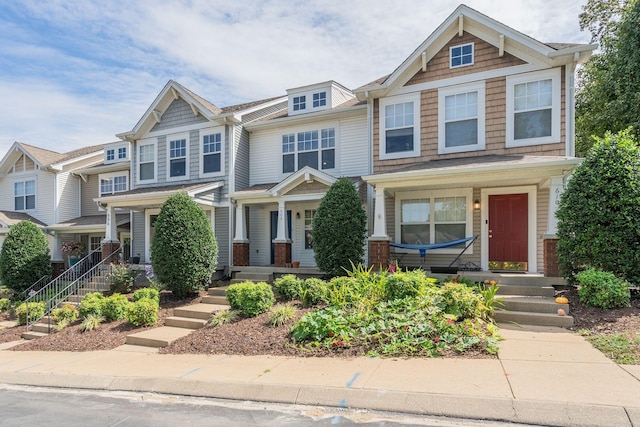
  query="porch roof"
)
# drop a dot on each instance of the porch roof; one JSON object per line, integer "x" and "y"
{"x": 88, "y": 223}
{"x": 9, "y": 218}
{"x": 154, "y": 196}
{"x": 475, "y": 170}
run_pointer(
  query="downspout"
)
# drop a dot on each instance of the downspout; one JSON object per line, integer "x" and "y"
{"x": 232, "y": 187}
{"x": 570, "y": 108}
{"x": 370, "y": 195}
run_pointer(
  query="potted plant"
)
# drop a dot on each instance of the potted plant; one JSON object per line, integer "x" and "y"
{"x": 73, "y": 250}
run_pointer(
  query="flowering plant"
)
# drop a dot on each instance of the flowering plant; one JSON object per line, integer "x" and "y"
{"x": 72, "y": 248}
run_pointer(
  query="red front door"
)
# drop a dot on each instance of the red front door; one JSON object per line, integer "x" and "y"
{"x": 508, "y": 232}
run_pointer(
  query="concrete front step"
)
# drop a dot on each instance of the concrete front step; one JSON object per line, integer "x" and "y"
{"x": 157, "y": 337}
{"x": 199, "y": 311}
{"x": 526, "y": 290}
{"x": 252, "y": 277}
{"x": 43, "y": 327}
{"x": 214, "y": 299}
{"x": 219, "y": 291}
{"x": 31, "y": 335}
{"x": 528, "y": 318}
{"x": 533, "y": 304}
{"x": 184, "y": 322}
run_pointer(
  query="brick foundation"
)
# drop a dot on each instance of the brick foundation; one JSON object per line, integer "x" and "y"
{"x": 551, "y": 268}
{"x": 108, "y": 248}
{"x": 241, "y": 254}
{"x": 379, "y": 253}
{"x": 282, "y": 254}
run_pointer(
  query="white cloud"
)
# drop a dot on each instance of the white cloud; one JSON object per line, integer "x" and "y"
{"x": 80, "y": 72}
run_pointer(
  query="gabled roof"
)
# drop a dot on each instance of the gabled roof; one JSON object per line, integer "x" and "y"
{"x": 9, "y": 218}
{"x": 44, "y": 158}
{"x": 202, "y": 193}
{"x": 174, "y": 90}
{"x": 466, "y": 19}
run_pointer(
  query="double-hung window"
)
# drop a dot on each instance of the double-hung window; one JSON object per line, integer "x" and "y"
{"x": 212, "y": 153}
{"x": 461, "y": 118}
{"x": 147, "y": 162}
{"x": 113, "y": 183}
{"x": 533, "y": 108}
{"x": 177, "y": 157}
{"x": 399, "y": 127}
{"x": 461, "y": 55}
{"x": 24, "y": 195}
{"x": 433, "y": 217}
{"x": 313, "y": 148}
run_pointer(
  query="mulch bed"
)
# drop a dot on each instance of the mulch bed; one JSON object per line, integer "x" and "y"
{"x": 598, "y": 320}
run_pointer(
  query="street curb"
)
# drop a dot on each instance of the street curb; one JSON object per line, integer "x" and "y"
{"x": 457, "y": 406}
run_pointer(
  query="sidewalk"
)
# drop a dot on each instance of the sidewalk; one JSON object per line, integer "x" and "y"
{"x": 543, "y": 376}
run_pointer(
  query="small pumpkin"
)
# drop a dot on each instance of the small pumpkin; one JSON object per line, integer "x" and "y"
{"x": 562, "y": 300}
{"x": 561, "y": 312}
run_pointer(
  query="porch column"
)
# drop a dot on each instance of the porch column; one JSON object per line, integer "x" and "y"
{"x": 379, "y": 250}
{"x": 282, "y": 243}
{"x": 240, "y": 241}
{"x": 110, "y": 244}
{"x": 551, "y": 268}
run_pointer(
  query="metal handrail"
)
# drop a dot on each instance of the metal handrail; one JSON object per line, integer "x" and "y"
{"x": 37, "y": 285}
{"x": 84, "y": 276}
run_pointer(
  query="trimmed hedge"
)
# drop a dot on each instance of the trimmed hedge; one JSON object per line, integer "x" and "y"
{"x": 250, "y": 298}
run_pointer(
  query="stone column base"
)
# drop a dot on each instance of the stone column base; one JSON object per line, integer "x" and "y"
{"x": 108, "y": 249}
{"x": 379, "y": 253}
{"x": 282, "y": 254}
{"x": 551, "y": 267}
{"x": 241, "y": 254}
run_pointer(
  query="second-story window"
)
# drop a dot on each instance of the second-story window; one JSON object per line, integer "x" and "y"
{"x": 24, "y": 194}
{"x": 299, "y": 103}
{"x": 177, "y": 158}
{"x": 461, "y": 55}
{"x": 147, "y": 162}
{"x": 122, "y": 153}
{"x": 212, "y": 153}
{"x": 308, "y": 149}
{"x": 399, "y": 127}
{"x": 461, "y": 116}
{"x": 113, "y": 183}
{"x": 319, "y": 99}
{"x": 111, "y": 154}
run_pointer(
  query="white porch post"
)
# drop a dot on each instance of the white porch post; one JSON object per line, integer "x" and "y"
{"x": 111, "y": 232}
{"x": 241, "y": 227}
{"x": 555, "y": 192}
{"x": 380, "y": 217}
{"x": 281, "y": 235}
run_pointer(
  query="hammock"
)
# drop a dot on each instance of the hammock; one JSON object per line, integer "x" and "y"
{"x": 423, "y": 248}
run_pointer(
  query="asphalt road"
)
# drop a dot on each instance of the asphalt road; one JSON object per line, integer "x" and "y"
{"x": 35, "y": 406}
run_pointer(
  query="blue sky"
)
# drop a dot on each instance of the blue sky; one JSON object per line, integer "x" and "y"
{"x": 75, "y": 73}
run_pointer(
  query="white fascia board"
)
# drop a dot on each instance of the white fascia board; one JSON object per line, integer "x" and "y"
{"x": 60, "y": 166}
{"x": 205, "y": 189}
{"x": 112, "y": 167}
{"x": 471, "y": 174}
{"x": 257, "y": 107}
{"x": 309, "y": 117}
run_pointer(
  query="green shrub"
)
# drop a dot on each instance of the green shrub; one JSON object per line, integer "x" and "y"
{"x": 403, "y": 284}
{"x": 288, "y": 286}
{"x": 313, "y": 291}
{"x": 91, "y": 322}
{"x": 602, "y": 289}
{"x": 115, "y": 307}
{"x": 150, "y": 293}
{"x": 92, "y": 304}
{"x": 24, "y": 257}
{"x": 461, "y": 301}
{"x": 68, "y": 313}
{"x": 598, "y": 214}
{"x": 223, "y": 317}
{"x": 6, "y": 292}
{"x": 143, "y": 312}
{"x": 5, "y": 303}
{"x": 281, "y": 315}
{"x": 184, "y": 251}
{"x": 341, "y": 291}
{"x": 36, "y": 311}
{"x": 339, "y": 229}
{"x": 250, "y": 298}
{"x": 121, "y": 279}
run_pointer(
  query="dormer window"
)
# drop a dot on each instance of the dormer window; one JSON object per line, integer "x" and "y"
{"x": 299, "y": 103}
{"x": 122, "y": 153}
{"x": 111, "y": 154}
{"x": 461, "y": 55}
{"x": 319, "y": 99}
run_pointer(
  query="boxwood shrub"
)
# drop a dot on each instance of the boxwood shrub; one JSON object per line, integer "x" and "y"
{"x": 250, "y": 298}
{"x": 602, "y": 289}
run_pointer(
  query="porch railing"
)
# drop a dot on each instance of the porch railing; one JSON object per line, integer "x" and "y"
{"x": 86, "y": 276}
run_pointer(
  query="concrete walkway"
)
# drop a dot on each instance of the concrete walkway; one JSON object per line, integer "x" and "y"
{"x": 543, "y": 376}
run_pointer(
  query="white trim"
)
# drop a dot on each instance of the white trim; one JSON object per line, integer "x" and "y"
{"x": 432, "y": 194}
{"x": 24, "y": 179}
{"x": 177, "y": 137}
{"x": 556, "y": 81}
{"x": 478, "y": 87}
{"x": 145, "y": 142}
{"x": 112, "y": 175}
{"x": 211, "y": 131}
{"x": 310, "y": 128}
{"x": 384, "y": 102}
{"x": 473, "y": 54}
{"x": 147, "y": 232}
{"x": 116, "y": 147}
{"x": 532, "y": 250}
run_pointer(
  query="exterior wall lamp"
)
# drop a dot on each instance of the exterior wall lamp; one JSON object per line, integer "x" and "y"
{"x": 476, "y": 205}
